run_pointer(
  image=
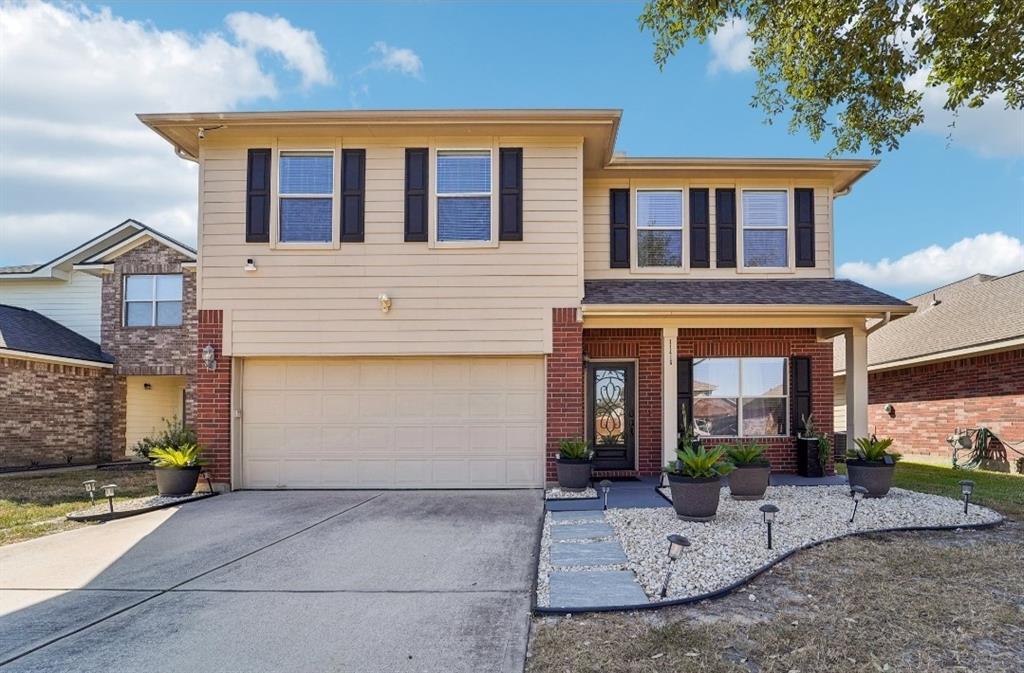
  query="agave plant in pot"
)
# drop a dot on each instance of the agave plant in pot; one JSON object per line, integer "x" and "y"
{"x": 575, "y": 463}
{"x": 871, "y": 465}
{"x": 696, "y": 481}
{"x": 177, "y": 468}
{"x": 749, "y": 479}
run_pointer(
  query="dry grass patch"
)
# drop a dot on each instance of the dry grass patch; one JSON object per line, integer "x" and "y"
{"x": 921, "y": 602}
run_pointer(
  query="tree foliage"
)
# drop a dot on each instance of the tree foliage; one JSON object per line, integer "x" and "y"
{"x": 855, "y": 68}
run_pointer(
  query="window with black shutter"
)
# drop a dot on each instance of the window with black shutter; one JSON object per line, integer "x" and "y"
{"x": 416, "y": 198}
{"x": 619, "y": 228}
{"x": 725, "y": 228}
{"x": 353, "y": 195}
{"x": 257, "y": 197}
{"x": 510, "y": 177}
{"x": 801, "y": 393}
{"x": 700, "y": 229}
{"x": 804, "y": 221}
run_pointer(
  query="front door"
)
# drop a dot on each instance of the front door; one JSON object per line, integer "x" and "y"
{"x": 610, "y": 414}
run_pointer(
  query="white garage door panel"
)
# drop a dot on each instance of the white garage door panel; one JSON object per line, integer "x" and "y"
{"x": 393, "y": 423}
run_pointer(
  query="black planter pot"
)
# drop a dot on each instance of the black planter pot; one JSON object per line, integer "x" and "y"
{"x": 807, "y": 464}
{"x": 875, "y": 476}
{"x": 574, "y": 473}
{"x": 176, "y": 480}
{"x": 749, "y": 482}
{"x": 695, "y": 499}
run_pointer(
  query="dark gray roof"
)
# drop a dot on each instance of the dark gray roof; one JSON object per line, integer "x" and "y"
{"x": 795, "y": 291}
{"x": 31, "y": 332}
{"x": 20, "y": 268}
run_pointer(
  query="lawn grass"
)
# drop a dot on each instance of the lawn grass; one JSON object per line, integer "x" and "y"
{"x": 32, "y": 505}
{"x": 1001, "y": 492}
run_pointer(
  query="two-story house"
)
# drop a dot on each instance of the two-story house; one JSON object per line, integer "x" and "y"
{"x": 97, "y": 347}
{"x": 436, "y": 298}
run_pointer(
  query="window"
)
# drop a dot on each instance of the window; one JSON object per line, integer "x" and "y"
{"x": 152, "y": 300}
{"x": 740, "y": 397}
{"x": 765, "y": 228}
{"x": 306, "y": 189}
{"x": 464, "y": 195}
{"x": 659, "y": 228}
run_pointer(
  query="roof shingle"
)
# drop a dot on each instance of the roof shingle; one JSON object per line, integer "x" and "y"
{"x": 792, "y": 291}
{"x": 31, "y": 332}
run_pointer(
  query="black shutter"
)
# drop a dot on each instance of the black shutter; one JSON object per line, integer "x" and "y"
{"x": 257, "y": 197}
{"x": 416, "y": 183}
{"x": 510, "y": 177}
{"x": 619, "y": 233}
{"x": 684, "y": 393}
{"x": 804, "y": 209}
{"x": 353, "y": 195}
{"x": 700, "y": 234}
{"x": 725, "y": 228}
{"x": 801, "y": 393}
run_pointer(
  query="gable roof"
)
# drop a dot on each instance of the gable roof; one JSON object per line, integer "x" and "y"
{"x": 980, "y": 312}
{"x": 26, "y": 332}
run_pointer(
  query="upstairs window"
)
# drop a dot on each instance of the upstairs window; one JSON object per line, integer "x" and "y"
{"x": 152, "y": 300}
{"x": 659, "y": 228}
{"x": 463, "y": 195}
{"x": 306, "y": 190}
{"x": 740, "y": 397}
{"x": 765, "y": 228}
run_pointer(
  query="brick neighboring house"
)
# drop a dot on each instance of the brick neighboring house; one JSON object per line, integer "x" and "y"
{"x": 435, "y": 298}
{"x": 98, "y": 348}
{"x": 957, "y": 362}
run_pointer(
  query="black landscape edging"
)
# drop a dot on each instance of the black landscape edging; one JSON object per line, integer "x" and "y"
{"x": 124, "y": 514}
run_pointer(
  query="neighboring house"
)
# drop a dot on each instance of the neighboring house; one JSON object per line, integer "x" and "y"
{"x": 436, "y": 298}
{"x": 957, "y": 362}
{"x": 98, "y": 347}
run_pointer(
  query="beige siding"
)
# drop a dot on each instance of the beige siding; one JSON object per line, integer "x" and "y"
{"x": 596, "y": 234}
{"x": 74, "y": 303}
{"x": 839, "y": 397}
{"x": 147, "y": 409}
{"x": 493, "y": 300}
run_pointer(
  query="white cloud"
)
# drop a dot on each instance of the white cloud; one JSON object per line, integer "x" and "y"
{"x": 995, "y": 253}
{"x": 396, "y": 59}
{"x": 74, "y": 160}
{"x": 299, "y": 48}
{"x": 731, "y": 47}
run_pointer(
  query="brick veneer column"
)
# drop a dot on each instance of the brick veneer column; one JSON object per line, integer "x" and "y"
{"x": 564, "y": 383}
{"x": 213, "y": 398}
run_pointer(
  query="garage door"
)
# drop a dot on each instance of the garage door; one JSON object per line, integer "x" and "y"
{"x": 393, "y": 423}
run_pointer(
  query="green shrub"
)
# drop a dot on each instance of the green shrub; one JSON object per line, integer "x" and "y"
{"x": 574, "y": 448}
{"x": 872, "y": 449}
{"x": 745, "y": 454}
{"x": 186, "y": 455}
{"x": 824, "y": 448}
{"x": 701, "y": 463}
{"x": 174, "y": 435}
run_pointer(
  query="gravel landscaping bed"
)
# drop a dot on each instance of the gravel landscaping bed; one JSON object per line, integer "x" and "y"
{"x": 556, "y": 493}
{"x": 733, "y": 546}
{"x": 124, "y": 508}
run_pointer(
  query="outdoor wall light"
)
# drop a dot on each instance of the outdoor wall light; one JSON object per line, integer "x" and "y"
{"x": 677, "y": 544}
{"x": 90, "y": 488}
{"x": 889, "y": 410}
{"x": 606, "y": 486}
{"x": 385, "y": 302}
{"x": 209, "y": 358}
{"x": 663, "y": 479}
{"x": 108, "y": 491}
{"x": 858, "y": 493}
{"x": 250, "y": 264}
{"x": 147, "y": 386}
{"x": 966, "y": 489}
{"x": 769, "y": 511}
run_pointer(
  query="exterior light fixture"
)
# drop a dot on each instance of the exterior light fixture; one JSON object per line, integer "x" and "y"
{"x": 250, "y": 264}
{"x": 966, "y": 489}
{"x": 677, "y": 544}
{"x": 90, "y": 488}
{"x": 209, "y": 358}
{"x": 147, "y": 386}
{"x": 769, "y": 511}
{"x": 663, "y": 480}
{"x": 108, "y": 491}
{"x": 385, "y": 302}
{"x": 606, "y": 486}
{"x": 858, "y": 493}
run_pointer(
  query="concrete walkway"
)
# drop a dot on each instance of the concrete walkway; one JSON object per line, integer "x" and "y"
{"x": 283, "y": 581}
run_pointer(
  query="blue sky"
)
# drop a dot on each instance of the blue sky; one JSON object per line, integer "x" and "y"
{"x": 435, "y": 55}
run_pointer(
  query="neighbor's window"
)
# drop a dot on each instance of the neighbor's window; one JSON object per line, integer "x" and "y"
{"x": 152, "y": 300}
{"x": 659, "y": 228}
{"x": 740, "y": 397}
{"x": 306, "y": 188}
{"x": 765, "y": 228}
{"x": 464, "y": 195}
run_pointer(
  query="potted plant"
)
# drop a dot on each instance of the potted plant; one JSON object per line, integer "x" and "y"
{"x": 575, "y": 463}
{"x": 695, "y": 480}
{"x": 175, "y": 433}
{"x": 749, "y": 479}
{"x": 871, "y": 465}
{"x": 177, "y": 468}
{"x": 807, "y": 456}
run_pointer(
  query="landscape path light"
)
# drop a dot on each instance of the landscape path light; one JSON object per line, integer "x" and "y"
{"x": 90, "y": 488}
{"x": 606, "y": 486}
{"x": 769, "y": 511}
{"x": 108, "y": 491}
{"x": 858, "y": 493}
{"x": 677, "y": 544}
{"x": 966, "y": 489}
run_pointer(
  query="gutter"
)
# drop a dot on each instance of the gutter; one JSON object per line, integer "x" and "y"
{"x": 740, "y": 309}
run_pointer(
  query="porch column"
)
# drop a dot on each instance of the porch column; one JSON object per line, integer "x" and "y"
{"x": 856, "y": 384}
{"x": 669, "y": 393}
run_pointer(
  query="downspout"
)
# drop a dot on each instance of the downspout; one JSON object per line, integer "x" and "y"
{"x": 877, "y": 326}
{"x": 182, "y": 154}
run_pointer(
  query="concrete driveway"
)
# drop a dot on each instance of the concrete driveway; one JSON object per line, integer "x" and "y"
{"x": 285, "y": 581}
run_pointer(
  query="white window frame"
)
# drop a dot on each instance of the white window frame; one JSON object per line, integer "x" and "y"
{"x": 335, "y": 153}
{"x": 637, "y": 228}
{"x": 740, "y": 397}
{"x": 741, "y": 265}
{"x": 434, "y": 238}
{"x": 153, "y": 301}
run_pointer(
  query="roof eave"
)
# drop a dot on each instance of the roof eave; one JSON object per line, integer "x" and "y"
{"x": 746, "y": 309}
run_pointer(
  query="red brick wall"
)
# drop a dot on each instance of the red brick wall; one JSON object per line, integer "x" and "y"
{"x": 564, "y": 383}
{"x": 931, "y": 400}
{"x": 772, "y": 343}
{"x": 213, "y": 398}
